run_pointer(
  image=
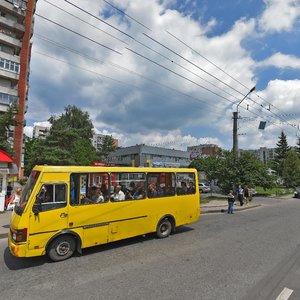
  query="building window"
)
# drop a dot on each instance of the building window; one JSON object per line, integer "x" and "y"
{"x": 8, "y": 99}
{"x": 9, "y": 65}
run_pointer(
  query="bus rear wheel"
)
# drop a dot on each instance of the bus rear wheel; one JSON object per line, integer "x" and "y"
{"x": 164, "y": 228}
{"x": 61, "y": 248}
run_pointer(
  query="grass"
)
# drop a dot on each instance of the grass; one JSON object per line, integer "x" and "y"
{"x": 278, "y": 191}
{"x": 209, "y": 198}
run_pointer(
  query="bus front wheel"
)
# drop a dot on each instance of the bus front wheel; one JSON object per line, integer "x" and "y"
{"x": 61, "y": 248}
{"x": 164, "y": 228}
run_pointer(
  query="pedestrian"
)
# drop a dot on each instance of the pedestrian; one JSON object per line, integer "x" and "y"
{"x": 246, "y": 194}
{"x": 231, "y": 199}
{"x": 240, "y": 195}
{"x": 14, "y": 199}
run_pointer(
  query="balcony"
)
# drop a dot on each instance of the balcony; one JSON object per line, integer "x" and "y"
{"x": 11, "y": 41}
{"x": 12, "y": 25}
{"x": 9, "y": 91}
{"x": 14, "y": 8}
{"x": 9, "y": 75}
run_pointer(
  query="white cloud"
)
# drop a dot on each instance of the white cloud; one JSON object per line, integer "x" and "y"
{"x": 280, "y": 60}
{"x": 279, "y": 15}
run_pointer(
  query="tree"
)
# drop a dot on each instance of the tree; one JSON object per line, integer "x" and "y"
{"x": 281, "y": 153}
{"x": 291, "y": 170}
{"x": 8, "y": 120}
{"x": 108, "y": 145}
{"x": 229, "y": 170}
{"x": 68, "y": 142}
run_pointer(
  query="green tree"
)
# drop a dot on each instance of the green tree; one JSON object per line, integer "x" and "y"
{"x": 8, "y": 120}
{"x": 108, "y": 146}
{"x": 229, "y": 170}
{"x": 281, "y": 153}
{"x": 291, "y": 170}
{"x": 68, "y": 142}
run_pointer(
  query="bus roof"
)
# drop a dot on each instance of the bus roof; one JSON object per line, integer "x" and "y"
{"x": 69, "y": 169}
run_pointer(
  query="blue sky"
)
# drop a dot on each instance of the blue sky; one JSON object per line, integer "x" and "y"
{"x": 207, "y": 56}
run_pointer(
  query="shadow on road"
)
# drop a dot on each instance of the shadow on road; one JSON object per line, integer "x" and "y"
{"x": 18, "y": 263}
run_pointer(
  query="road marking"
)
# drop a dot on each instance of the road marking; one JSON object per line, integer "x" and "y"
{"x": 285, "y": 294}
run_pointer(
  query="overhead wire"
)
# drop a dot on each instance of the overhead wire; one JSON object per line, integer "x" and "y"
{"x": 84, "y": 21}
{"x": 236, "y": 80}
{"x": 79, "y": 34}
{"x": 139, "y": 54}
{"x": 121, "y": 68}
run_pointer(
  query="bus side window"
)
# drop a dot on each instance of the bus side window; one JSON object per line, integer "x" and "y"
{"x": 51, "y": 196}
{"x": 185, "y": 183}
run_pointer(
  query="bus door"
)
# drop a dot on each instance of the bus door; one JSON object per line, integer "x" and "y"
{"x": 49, "y": 214}
{"x": 88, "y": 212}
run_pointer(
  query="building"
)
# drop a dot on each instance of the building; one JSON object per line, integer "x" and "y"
{"x": 143, "y": 155}
{"x": 40, "y": 132}
{"x": 203, "y": 150}
{"x": 97, "y": 141}
{"x": 16, "y": 29}
{"x": 263, "y": 154}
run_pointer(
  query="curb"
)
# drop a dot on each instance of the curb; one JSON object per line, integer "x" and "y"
{"x": 224, "y": 209}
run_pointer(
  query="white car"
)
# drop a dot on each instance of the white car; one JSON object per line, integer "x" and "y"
{"x": 204, "y": 188}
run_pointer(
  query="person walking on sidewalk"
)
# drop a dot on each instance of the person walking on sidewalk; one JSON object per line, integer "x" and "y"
{"x": 240, "y": 195}
{"x": 230, "y": 198}
{"x": 246, "y": 194}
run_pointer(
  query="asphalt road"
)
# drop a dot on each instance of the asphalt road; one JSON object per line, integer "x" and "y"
{"x": 252, "y": 254}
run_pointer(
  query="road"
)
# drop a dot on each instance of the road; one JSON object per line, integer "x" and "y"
{"x": 252, "y": 254}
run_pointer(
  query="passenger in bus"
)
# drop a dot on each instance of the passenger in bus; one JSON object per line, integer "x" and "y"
{"x": 160, "y": 190}
{"x": 94, "y": 196}
{"x": 183, "y": 188}
{"x": 139, "y": 194}
{"x": 191, "y": 189}
{"x": 118, "y": 194}
{"x": 152, "y": 192}
{"x": 104, "y": 189}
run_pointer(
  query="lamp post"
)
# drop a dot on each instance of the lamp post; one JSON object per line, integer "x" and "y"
{"x": 235, "y": 147}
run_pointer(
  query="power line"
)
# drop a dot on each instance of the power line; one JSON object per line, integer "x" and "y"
{"x": 90, "y": 14}
{"x": 236, "y": 80}
{"x": 116, "y": 80}
{"x": 81, "y": 35}
{"x": 121, "y": 11}
{"x": 105, "y": 32}
{"x": 157, "y": 52}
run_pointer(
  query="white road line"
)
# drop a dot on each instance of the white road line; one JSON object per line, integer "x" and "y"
{"x": 285, "y": 294}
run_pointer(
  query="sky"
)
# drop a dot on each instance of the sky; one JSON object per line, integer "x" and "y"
{"x": 170, "y": 73}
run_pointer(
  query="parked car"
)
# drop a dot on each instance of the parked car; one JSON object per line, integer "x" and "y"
{"x": 297, "y": 192}
{"x": 204, "y": 188}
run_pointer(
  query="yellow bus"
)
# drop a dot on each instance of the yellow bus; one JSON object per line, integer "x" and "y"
{"x": 64, "y": 209}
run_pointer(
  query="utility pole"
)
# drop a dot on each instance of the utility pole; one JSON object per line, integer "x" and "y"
{"x": 235, "y": 147}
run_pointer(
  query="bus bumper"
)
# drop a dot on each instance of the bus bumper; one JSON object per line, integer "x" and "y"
{"x": 18, "y": 250}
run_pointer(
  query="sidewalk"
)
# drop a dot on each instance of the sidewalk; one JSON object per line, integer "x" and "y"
{"x": 4, "y": 223}
{"x": 220, "y": 206}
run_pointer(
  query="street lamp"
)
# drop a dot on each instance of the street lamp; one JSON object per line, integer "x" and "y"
{"x": 235, "y": 147}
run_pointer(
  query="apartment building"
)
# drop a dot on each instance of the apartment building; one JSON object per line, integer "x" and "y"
{"x": 16, "y": 29}
{"x": 203, "y": 150}
{"x": 40, "y": 132}
{"x": 143, "y": 155}
{"x": 263, "y": 154}
{"x": 97, "y": 141}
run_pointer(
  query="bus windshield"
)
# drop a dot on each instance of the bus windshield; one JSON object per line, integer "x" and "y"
{"x": 27, "y": 192}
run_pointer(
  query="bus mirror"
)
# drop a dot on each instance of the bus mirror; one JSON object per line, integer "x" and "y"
{"x": 35, "y": 210}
